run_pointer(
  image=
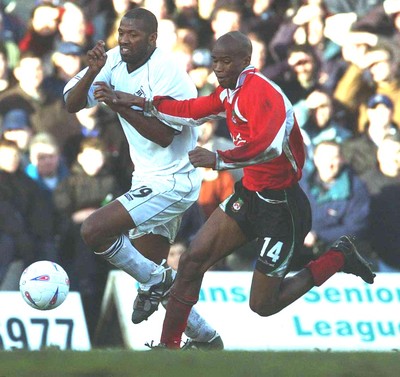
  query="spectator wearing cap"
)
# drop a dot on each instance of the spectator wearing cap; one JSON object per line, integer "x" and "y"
{"x": 360, "y": 152}
{"x": 380, "y": 99}
{"x": 67, "y": 61}
{"x": 16, "y": 127}
{"x": 371, "y": 70}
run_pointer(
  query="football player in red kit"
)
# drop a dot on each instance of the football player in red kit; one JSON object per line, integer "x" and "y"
{"x": 267, "y": 204}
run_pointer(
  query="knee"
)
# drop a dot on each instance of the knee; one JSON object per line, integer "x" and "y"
{"x": 191, "y": 265}
{"x": 264, "y": 309}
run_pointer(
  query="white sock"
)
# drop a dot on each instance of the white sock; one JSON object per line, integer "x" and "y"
{"x": 197, "y": 328}
{"x": 125, "y": 256}
{"x": 156, "y": 276}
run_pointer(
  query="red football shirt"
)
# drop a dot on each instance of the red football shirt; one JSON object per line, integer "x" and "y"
{"x": 260, "y": 118}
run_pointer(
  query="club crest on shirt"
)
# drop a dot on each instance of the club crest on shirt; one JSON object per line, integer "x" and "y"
{"x": 234, "y": 117}
{"x": 237, "y": 140}
{"x": 237, "y": 205}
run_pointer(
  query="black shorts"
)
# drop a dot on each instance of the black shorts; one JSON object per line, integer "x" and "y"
{"x": 278, "y": 220}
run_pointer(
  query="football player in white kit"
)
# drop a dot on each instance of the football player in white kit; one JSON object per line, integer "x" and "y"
{"x": 164, "y": 183}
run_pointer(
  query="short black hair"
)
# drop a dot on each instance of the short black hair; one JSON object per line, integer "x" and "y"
{"x": 237, "y": 42}
{"x": 150, "y": 23}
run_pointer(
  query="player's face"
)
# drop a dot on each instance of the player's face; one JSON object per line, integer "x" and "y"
{"x": 227, "y": 65}
{"x": 135, "y": 44}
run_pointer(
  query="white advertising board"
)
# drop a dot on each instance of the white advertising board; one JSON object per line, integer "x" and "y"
{"x": 23, "y": 327}
{"x": 345, "y": 314}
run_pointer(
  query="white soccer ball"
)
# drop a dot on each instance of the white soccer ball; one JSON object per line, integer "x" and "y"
{"x": 44, "y": 285}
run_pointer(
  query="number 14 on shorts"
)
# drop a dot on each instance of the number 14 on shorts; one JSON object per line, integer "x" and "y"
{"x": 273, "y": 252}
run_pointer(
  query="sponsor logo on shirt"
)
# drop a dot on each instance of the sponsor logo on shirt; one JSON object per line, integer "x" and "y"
{"x": 140, "y": 92}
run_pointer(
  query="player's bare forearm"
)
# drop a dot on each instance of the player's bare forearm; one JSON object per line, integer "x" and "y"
{"x": 77, "y": 96}
{"x": 150, "y": 128}
{"x": 201, "y": 157}
{"x": 128, "y": 100}
{"x": 115, "y": 99}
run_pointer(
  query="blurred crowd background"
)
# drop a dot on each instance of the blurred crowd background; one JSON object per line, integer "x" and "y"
{"x": 336, "y": 60}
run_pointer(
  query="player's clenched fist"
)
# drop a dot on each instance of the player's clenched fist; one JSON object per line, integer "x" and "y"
{"x": 201, "y": 157}
{"x": 97, "y": 56}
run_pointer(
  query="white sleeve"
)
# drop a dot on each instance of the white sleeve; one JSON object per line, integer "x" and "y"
{"x": 170, "y": 80}
{"x": 104, "y": 75}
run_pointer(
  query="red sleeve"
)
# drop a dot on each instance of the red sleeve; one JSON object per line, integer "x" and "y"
{"x": 195, "y": 108}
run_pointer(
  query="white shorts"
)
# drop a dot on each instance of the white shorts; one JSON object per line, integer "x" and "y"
{"x": 156, "y": 204}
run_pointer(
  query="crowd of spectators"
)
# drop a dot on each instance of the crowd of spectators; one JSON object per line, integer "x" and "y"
{"x": 336, "y": 60}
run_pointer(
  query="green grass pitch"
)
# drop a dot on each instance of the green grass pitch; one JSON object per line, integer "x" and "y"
{"x": 116, "y": 363}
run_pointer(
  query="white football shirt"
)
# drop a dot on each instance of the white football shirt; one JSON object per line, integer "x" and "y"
{"x": 160, "y": 75}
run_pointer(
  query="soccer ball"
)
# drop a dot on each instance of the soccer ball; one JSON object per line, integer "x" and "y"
{"x": 44, "y": 285}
